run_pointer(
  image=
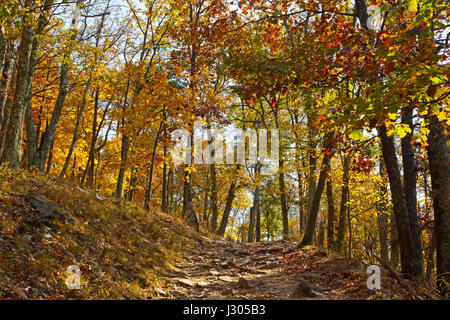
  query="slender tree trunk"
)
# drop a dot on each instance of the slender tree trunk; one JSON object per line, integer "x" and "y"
{"x": 214, "y": 208}
{"x": 169, "y": 200}
{"x": 227, "y": 210}
{"x": 123, "y": 164}
{"x": 6, "y": 111}
{"x": 430, "y": 260}
{"x": 205, "y": 199}
{"x": 350, "y": 230}
{"x": 311, "y": 171}
{"x": 91, "y": 163}
{"x": 50, "y": 158}
{"x": 301, "y": 203}
{"x": 283, "y": 200}
{"x": 253, "y": 213}
{"x": 164, "y": 184}
{"x": 330, "y": 223}
{"x": 148, "y": 196}
{"x": 77, "y": 128}
{"x": 382, "y": 213}
{"x": 344, "y": 203}
{"x": 258, "y": 224}
{"x": 188, "y": 208}
{"x": 4, "y": 81}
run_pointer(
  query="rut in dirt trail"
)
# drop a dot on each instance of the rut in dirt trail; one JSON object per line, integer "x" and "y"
{"x": 244, "y": 271}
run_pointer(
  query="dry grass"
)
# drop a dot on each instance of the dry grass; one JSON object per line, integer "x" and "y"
{"x": 121, "y": 249}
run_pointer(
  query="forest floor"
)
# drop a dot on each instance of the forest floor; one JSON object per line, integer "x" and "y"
{"x": 124, "y": 252}
{"x": 274, "y": 271}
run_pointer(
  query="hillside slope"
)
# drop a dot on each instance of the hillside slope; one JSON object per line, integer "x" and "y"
{"x": 124, "y": 252}
{"x": 47, "y": 226}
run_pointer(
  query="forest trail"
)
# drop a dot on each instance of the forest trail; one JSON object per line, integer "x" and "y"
{"x": 266, "y": 270}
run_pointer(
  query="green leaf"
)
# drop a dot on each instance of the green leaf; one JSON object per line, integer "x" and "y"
{"x": 356, "y": 135}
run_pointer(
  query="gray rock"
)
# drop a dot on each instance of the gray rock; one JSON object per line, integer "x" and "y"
{"x": 305, "y": 290}
{"x": 45, "y": 209}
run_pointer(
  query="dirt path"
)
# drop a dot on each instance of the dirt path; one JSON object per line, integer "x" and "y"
{"x": 268, "y": 270}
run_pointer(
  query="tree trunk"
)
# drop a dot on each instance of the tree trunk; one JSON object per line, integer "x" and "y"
{"x": 308, "y": 238}
{"x": 148, "y": 196}
{"x": 344, "y": 203}
{"x": 330, "y": 223}
{"x": 258, "y": 224}
{"x": 13, "y": 138}
{"x": 77, "y": 128}
{"x": 6, "y": 110}
{"x": 395, "y": 244}
{"x": 410, "y": 186}
{"x": 4, "y": 81}
{"x": 301, "y": 203}
{"x": 188, "y": 208}
{"x": 123, "y": 164}
{"x": 49, "y": 135}
{"x": 164, "y": 184}
{"x": 227, "y": 211}
{"x": 214, "y": 209}
{"x": 440, "y": 180}
{"x": 253, "y": 213}
{"x": 382, "y": 214}
{"x": 283, "y": 200}
{"x": 411, "y": 267}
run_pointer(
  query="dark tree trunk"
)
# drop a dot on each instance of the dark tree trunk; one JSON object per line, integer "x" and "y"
{"x": 440, "y": 180}
{"x": 90, "y": 168}
{"x": 308, "y": 238}
{"x": 227, "y": 211}
{"x": 253, "y": 213}
{"x": 395, "y": 244}
{"x": 258, "y": 224}
{"x": 382, "y": 213}
{"x": 123, "y": 164}
{"x": 301, "y": 203}
{"x": 77, "y": 128}
{"x": 188, "y": 208}
{"x": 148, "y": 196}
{"x": 214, "y": 209}
{"x": 50, "y": 158}
{"x": 164, "y": 184}
{"x": 410, "y": 186}
{"x": 344, "y": 204}
{"x": 283, "y": 200}
{"x": 411, "y": 266}
{"x": 330, "y": 222}
{"x": 311, "y": 171}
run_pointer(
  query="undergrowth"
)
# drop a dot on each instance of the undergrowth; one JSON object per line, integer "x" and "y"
{"x": 121, "y": 250}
